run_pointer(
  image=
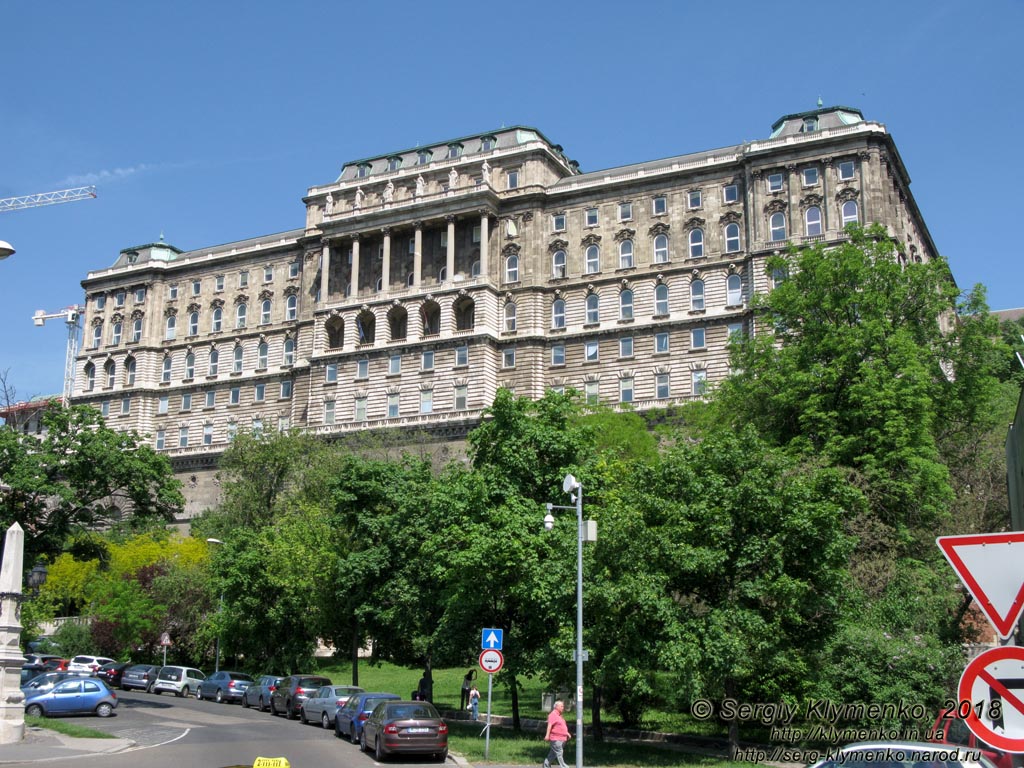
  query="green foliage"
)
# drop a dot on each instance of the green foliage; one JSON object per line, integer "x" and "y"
{"x": 73, "y": 637}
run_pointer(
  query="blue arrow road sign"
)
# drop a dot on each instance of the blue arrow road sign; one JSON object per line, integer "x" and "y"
{"x": 491, "y": 639}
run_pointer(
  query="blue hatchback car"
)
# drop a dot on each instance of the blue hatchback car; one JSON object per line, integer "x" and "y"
{"x": 349, "y": 719}
{"x": 74, "y": 696}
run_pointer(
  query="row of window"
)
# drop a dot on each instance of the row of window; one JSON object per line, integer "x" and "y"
{"x": 424, "y": 156}
{"x": 846, "y": 170}
{"x": 184, "y": 432}
{"x": 813, "y": 223}
{"x": 260, "y": 391}
{"x": 659, "y": 207}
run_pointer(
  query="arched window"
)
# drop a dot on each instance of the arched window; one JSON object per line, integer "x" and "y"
{"x": 813, "y": 221}
{"x": 777, "y": 224}
{"x": 90, "y": 377}
{"x": 512, "y": 269}
{"x": 193, "y": 324}
{"x": 240, "y": 316}
{"x": 430, "y": 314}
{"x": 558, "y": 264}
{"x": 593, "y": 309}
{"x": 510, "y": 316}
{"x": 265, "y": 312}
{"x": 732, "y": 238}
{"x": 696, "y": 243}
{"x": 172, "y": 327}
{"x": 97, "y": 336}
{"x": 661, "y": 299}
{"x": 289, "y": 351}
{"x": 237, "y": 363}
{"x": 558, "y": 313}
{"x": 850, "y": 213}
{"x": 108, "y": 373}
{"x": 165, "y": 371}
{"x": 625, "y": 254}
{"x": 137, "y": 329}
{"x": 398, "y": 323}
{"x": 442, "y": 276}
{"x": 593, "y": 260}
{"x": 129, "y": 372}
{"x": 734, "y": 290}
{"x": 115, "y": 333}
{"x": 626, "y": 305}
{"x": 661, "y": 249}
{"x": 335, "y": 328}
{"x": 214, "y": 362}
{"x": 697, "y": 294}
{"x": 474, "y": 269}
{"x": 291, "y": 307}
{"x": 216, "y": 320}
{"x": 262, "y": 355}
{"x": 465, "y": 314}
{"x": 190, "y": 366}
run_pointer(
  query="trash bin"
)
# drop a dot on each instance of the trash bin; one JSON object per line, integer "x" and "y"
{"x": 547, "y": 701}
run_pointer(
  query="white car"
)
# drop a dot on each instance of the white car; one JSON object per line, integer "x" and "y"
{"x": 87, "y": 664}
{"x": 181, "y": 681}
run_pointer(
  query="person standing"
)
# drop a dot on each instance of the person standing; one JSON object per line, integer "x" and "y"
{"x": 557, "y": 733}
{"x": 467, "y": 683}
{"x": 474, "y": 702}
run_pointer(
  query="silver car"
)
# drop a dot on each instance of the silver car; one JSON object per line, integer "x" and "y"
{"x": 325, "y": 702}
{"x": 258, "y": 694}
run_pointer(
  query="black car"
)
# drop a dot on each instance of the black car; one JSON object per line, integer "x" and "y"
{"x": 112, "y": 672}
{"x": 224, "y": 686}
{"x": 287, "y": 698}
{"x": 140, "y": 676}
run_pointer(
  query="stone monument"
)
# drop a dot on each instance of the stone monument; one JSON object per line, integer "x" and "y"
{"x": 12, "y": 709}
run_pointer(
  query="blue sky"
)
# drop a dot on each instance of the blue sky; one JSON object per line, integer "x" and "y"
{"x": 207, "y": 122}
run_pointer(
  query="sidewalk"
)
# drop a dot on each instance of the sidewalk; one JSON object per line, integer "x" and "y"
{"x": 45, "y": 744}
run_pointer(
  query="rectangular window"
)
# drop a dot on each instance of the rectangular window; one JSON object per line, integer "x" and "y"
{"x": 119, "y": 298}
{"x": 162, "y": 404}
{"x": 208, "y": 434}
{"x": 508, "y": 357}
{"x": 626, "y": 389}
{"x": 172, "y": 291}
{"x": 700, "y": 382}
{"x": 461, "y": 397}
{"x": 730, "y": 193}
{"x": 140, "y": 295}
{"x": 183, "y": 437}
{"x": 694, "y": 199}
{"x": 197, "y": 286}
{"x": 395, "y": 365}
{"x": 846, "y": 170}
{"x": 218, "y": 283}
{"x": 161, "y": 439}
{"x": 331, "y": 373}
{"x": 186, "y": 401}
{"x": 236, "y": 396}
{"x": 259, "y": 393}
{"x": 625, "y": 211}
{"x": 284, "y": 423}
{"x": 558, "y": 354}
{"x": 211, "y": 399}
{"x": 105, "y": 408}
{"x": 101, "y": 301}
{"x": 590, "y": 352}
{"x": 512, "y": 180}
{"x": 293, "y": 269}
{"x": 626, "y": 346}
{"x": 590, "y": 217}
{"x": 661, "y": 386}
{"x": 362, "y": 369}
{"x": 558, "y": 222}
{"x": 286, "y": 389}
{"x": 476, "y": 234}
{"x": 810, "y": 177}
{"x": 393, "y": 405}
{"x": 735, "y": 330}
{"x": 360, "y": 409}
{"x": 774, "y": 182}
{"x": 428, "y": 360}
{"x": 243, "y": 279}
{"x": 660, "y": 343}
{"x": 126, "y": 406}
{"x": 268, "y": 274}
{"x": 426, "y": 401}
{"x": 591, "y": 392}
{"x": 659, "y": 206}
{"x": 329, "y": 412}
{"x": 697, "y": 338}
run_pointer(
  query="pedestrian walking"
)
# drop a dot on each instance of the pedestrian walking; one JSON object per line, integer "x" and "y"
{"x": 474, "y": 702}
{"x": 557, "y": 734}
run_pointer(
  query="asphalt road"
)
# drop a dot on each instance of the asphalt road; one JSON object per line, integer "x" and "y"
{"x": 186, "y": 733}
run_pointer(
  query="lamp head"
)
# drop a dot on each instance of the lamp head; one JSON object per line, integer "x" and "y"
{"x": 549, "y": 520}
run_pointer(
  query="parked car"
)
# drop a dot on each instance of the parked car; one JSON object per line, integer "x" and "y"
{"x": 74, "y": 696}
{"x": 956, "y": 733}
{"x": 224, "y": 686}
{"x": 140, "y": 676}
{"x": 87, "y": 664}
{"x": 349, "y": 719}
{"x": 39, "y": 659}
{"x": 289, "y": 694}
{"x": 45, "y": 682}
{"x": 112, "y": 672}
{"x": 56, "y": 665}
{"x": 405, "y": 727}
{"x": 901, "y": 754}
{"x": 258, "y": 694}
{"x": 325, "y": 702}
{"x": 181, "y": 681}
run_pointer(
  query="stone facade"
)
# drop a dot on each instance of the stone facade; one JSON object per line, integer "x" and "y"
{"x": 425, "y": 279}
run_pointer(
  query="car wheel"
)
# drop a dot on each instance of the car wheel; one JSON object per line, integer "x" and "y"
{"x": 362, "y": 741}
{"x": 34, "y": 710}
{"x": 288, "y": 711}
{"x": 186, "y": 692}
{"x": 219, "y": 697}
{"x": 104, "y": 709}
{"x": 302, "y": 715}
{"x": 199, "y": 693}
{"x": 245, "y": 702}
{"x": 442, "y": 756}
{"x": 325, "y": 721}
{"x": 157, "y": 692}
{"x": 378, "y": 751}
{"x": 149, "y": 689}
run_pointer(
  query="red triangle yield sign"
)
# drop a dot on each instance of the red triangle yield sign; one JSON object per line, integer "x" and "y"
{"x": 991, "y": 566}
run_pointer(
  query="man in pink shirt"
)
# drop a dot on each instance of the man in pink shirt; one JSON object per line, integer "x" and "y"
{"x": 557, "y": 733}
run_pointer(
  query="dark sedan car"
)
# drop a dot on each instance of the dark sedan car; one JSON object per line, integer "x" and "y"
{"x": 292, "y": 691}
{"x": 349, "y": 719}
{"x": 112, "y": 672}
{"x": 140, "y": 676}
{"x": 224, "y": 686}
{"x": 405, "y": 727}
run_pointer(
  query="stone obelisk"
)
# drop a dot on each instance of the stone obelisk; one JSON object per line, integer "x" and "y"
{"x": 12, "y": 709}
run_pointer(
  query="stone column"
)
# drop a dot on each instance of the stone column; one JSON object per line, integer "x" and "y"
{"x": 355, "y": 267}
{"x": 450, "y": 255}
{"x": 325, "y": 272}
{"x": 385, "y": 275}
{"x": 12, "y": 709}
{"x": 417, "y": 257}
{"x": 484, "y": 238}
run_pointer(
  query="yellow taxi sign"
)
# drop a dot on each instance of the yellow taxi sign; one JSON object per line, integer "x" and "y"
{"x": 271, "y": 762}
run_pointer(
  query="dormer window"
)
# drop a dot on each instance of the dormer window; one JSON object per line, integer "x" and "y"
{"x": 810, "y": 124}
{"x": 394, "y": 163}
{"x": 423, "y": 157}
{"x": 487, "y": 143}
{"x": 454, "y": 151}
{"x": 362, "y": 170}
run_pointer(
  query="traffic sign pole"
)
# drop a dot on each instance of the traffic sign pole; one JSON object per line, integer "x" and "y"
{"x": 487, "y": 728}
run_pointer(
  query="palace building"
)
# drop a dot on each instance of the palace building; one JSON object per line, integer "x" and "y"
{"x": 424, "y": 279}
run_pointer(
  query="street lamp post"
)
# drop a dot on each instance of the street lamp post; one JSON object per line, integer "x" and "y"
{"x": 573, "y": 487}
{"x": 220, "y": 611}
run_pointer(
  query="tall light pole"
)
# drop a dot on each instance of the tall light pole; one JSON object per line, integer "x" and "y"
{"x": 573, "y": 487}
{"x": 220, "y": 611}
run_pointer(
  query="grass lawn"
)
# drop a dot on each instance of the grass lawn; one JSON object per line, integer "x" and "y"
{"x": 66, "y": 727}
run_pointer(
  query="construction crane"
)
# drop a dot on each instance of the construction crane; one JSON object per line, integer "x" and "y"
{"x": 72, "y": 317}
{"x": 47, "y": 198}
